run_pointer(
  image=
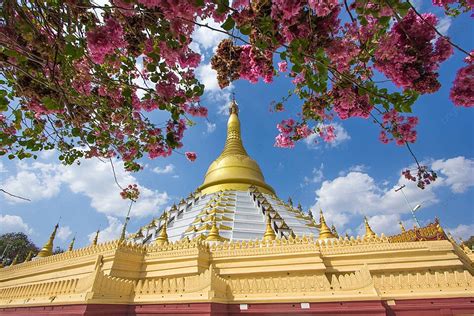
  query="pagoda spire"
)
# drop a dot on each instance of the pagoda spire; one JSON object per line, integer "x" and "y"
{"x": 71, "y": 245}
{"x": 234, "y": 169}
{"x": 28, "y": 256}
{"x": 269, "y": 232}
{"x": 214, "y": 232}
{"x": 96, "y": 238}
{"x": 334, "y": 231}
{"x": 402, "y": 228}
{"x": 163, "y": 236}
{"x": 324, "y": 231}
{"x": 369, "y": 233}
{"x": 15, "y": 260}
{"x": 47, "y": 249}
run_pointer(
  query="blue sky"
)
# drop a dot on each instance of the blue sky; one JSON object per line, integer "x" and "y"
{"x": 353, "y": 177}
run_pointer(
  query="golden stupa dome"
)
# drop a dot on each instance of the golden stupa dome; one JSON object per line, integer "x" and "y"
{"x": 234, "y": 169}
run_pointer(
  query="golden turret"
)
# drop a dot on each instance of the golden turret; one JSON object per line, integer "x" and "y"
{"x": 163, "y": 236}
{"x": 269, "y": 232}
{"x": 402, "y": 227}
{"x": 71, "y": 245}
{"x": 47, "y": 249}
{"x": 324, "y": 231}
{"x": 15, "y": 260}
{"x": 369, "y": 233}
{"x": 234, "y": 169}
{"x": 214, "y": 232}
{"x": 28, "y": 256}
{"x": 96, "y": 238}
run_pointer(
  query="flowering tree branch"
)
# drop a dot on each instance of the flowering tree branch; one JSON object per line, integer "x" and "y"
{"x": 81, "y": 77}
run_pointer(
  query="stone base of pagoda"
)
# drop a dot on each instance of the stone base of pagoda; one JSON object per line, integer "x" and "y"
{"x": 418, "y": 307}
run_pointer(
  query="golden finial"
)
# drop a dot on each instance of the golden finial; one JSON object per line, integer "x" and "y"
{"x": 234, "y": 169}
{"x": 334, "y": 231}
{"x": 324, "y": 231}
{"x": 28, "y": 256}
{"x": 369, "y": 233}
{"x": 162, "y": 238}
{"x": 300, "y": 208}
{"x": 47, "y": 249}
{"x": 71, "y": 245}
{"x": 290, "y": 201}
{"x": 214, "y": 232}
{"x": 96, "y": 238}
{"x": 347, "y": 235}
{"x": 269, "y": 232}
{"x": 15, "y": 260}
{"x": 233, "y": 107}
{"x": 401, "y": 226}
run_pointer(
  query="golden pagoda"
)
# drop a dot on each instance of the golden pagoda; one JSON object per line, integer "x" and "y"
{"x": 234, "y": 247}
{"x": 47, "y": 249}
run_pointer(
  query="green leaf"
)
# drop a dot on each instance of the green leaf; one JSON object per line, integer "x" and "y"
{"x": 50, "y": 103}
{"x": 73, "y": 51}
{"x": 228, "y": 24}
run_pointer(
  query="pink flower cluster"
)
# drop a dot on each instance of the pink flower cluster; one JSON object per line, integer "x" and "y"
{"x": 282, "y": 66}
{"x": 407, "y": 56}
{"x": 286, "y": 128}
{"x": 255, "y": 64}
{"x": 402, "y": 128}
{"x": 103, "y": 40}
{"x": 290, "y": 131}
{"x": 348, "y": 103}
{"x": 462, "y": 92}
{"x": 323, "y": 7}
{"x": 423, "y": 177}
{"x": 190, "y": 155}
{"x": 445, "y": 3}
{"x": 327, "y": 133}
{"x": 131, "y": 192}
{"x": 341, "y": 51}
{"x": 199, "y": 111}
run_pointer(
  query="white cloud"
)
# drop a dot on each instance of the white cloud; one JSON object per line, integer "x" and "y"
{"x": 111, "y": 232}
{"x": 95, "y": 180}
{"x": 211, "y": 127}
{"x": 208, "y": 77}
{"x": 339, "y": 131}
{"x": 317, "y": 175}
{"x": 462, "y": 231}
{"x": 64, "y": 232}
{"x": 444, "y": 24}
{"x": 356, "y": 194}
{"x": 165, "y": 170}
{"x": 458, "y": 172}
{"x": 207, "y": 38}
{"x": 384, "y": 223}
{"x": 13, "y": 224}
{"x": 92, "y": 178}
{"x": 34, "y": 181}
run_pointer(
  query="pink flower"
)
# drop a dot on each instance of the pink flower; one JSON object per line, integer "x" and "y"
{"x": 322, "y": 7}
{"x": 409, "y": 66}
{"x": 284, "y": 141}
{"x": 282, "y": 66}
{"x": 327, "y": 133}
{"x": 462, "y": 92}
{"x": 103, "y": 40}
{"x": 190, "y": 155}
